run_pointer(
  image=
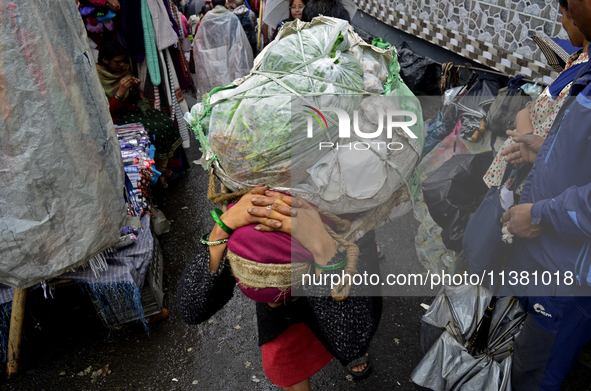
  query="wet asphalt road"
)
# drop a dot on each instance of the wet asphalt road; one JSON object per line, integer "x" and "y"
{"x": 64, "y": 336}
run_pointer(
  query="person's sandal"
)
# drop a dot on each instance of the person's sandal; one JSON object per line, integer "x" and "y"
{"x": 356, "y": 362}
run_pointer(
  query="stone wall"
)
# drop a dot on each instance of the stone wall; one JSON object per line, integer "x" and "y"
{"x": 494, "y": 32}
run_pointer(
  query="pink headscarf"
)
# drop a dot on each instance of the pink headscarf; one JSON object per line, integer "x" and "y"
{"x": 269, "y": 248}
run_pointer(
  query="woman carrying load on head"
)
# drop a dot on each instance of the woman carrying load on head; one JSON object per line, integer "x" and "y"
{"x": 537, "y": 119}
{"x": 298, "y": 336}
{"x": 121, "y": 88}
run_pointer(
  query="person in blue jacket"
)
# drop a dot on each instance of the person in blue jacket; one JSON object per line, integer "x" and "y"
{"x": 552, "y": 224}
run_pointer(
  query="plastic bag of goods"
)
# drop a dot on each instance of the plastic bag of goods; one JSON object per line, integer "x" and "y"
{"x": 257, "y": 131}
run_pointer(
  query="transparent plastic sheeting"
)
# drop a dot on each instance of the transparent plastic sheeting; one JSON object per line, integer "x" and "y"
{"x": 221, "y": 50}
{"x": 61, "y": 198}
{"x": 446, "y": 327}
{"x": 258, "y": 133}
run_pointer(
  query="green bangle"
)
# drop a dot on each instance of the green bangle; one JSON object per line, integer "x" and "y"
{"x": 212, "y": 242}
{"x": 330, "y": 267}
{"x": 118, "y": 97}
{"x": 216, "y": 214}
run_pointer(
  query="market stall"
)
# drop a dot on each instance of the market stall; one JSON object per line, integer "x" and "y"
{"x": 75, "y": 200}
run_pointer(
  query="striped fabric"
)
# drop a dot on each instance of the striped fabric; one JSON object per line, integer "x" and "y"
{"x": 157, "y": 105}
{"x": 128, "y": 265}
{"x": 143, "y": 76}
{"x": 175, "y": 112}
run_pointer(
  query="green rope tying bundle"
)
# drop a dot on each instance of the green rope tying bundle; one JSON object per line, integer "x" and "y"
{"x": 393, "y": 82}
{"x": 198, "y": 129}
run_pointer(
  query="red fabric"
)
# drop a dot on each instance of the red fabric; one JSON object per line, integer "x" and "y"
{"x": 115, "y": 106}
{"x": 270, "y": 248}
{"x": 295, "y": 355}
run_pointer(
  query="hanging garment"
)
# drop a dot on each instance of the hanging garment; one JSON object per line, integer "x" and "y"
{"x": 169, "y": 11}
{"x": 163, "y": 31}
{"x": 147, "y": 89}
{"x": 150, "y": 45}
{"x": 178, "y": 93}
{"x": 175, "y": 94}
{"x": 182, "y": 70}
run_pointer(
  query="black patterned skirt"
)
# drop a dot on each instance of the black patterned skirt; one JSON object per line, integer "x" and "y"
{"x": 163, "y": 132}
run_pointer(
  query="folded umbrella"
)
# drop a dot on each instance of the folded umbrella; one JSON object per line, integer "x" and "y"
{"x": 557, "y": 51}
{"x": 453, "y": 192}
{"x": 448, "y": 364}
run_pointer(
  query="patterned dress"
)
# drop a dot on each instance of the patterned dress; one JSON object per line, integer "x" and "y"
{"x": 165, "y": 134}
{"x": 542, "y": 114}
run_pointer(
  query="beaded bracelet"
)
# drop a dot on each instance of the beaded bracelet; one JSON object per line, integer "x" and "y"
{"x": 330, "y": 267}
{"x": 216, "y": 214}
{"x": 212, "y": 242}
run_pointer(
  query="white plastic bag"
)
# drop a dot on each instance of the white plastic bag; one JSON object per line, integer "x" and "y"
{"x": 361, "y": 172}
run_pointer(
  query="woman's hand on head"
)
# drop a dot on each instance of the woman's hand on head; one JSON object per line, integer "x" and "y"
{"x": 298, "y": 219}
{"x": 238, "y": 216}
{"x": 235, "y": 217}
{"x": 273, "y": 207}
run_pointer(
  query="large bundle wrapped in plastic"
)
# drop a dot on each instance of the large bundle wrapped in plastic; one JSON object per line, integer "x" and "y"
{"x": 61, "y": 198}
{"x": 257, "y": 131}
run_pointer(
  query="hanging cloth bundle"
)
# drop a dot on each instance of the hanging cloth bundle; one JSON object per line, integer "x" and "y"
{"x": 150, "y": 44}
{"x": 175, "y": 109}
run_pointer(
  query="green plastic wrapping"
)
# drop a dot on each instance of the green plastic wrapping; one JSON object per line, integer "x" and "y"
{"x": 254, "y": 132}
